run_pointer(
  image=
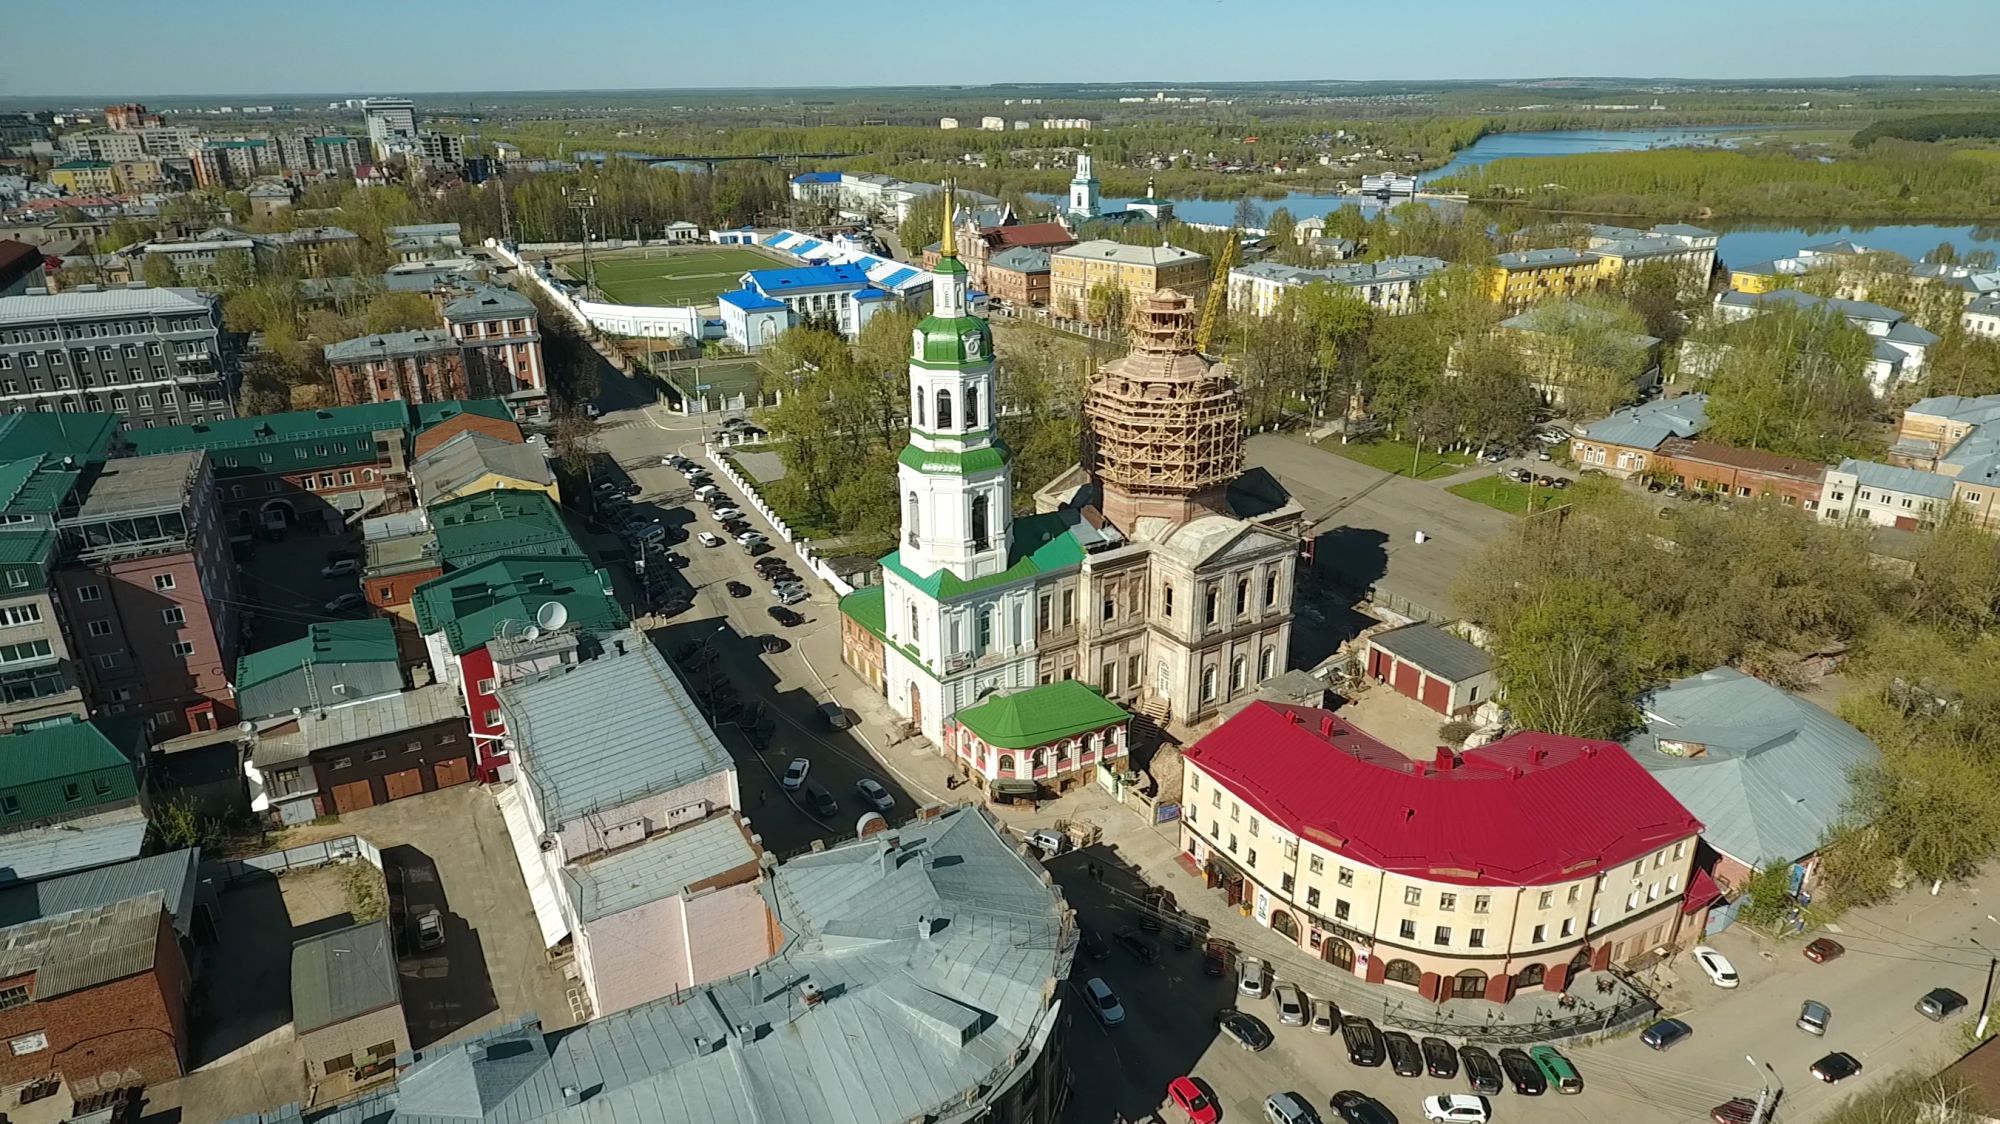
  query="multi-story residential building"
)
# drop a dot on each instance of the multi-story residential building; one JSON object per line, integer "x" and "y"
{"x": 1982, "y": 317}
{"x": 1464, "y": 876}
{"x": 194, "y": 259}
{"x": 1898, "y": 346}
{"x": 418, "y": 366}
{"x": 1959, "y": 439}
{"x": 1575, "y": 357}
{"x": 981, "y": 238}
{"x": 1625, "y": 444}
{"x": 1392, "y": 286}
{"x": 130, "y": 144}
{"x": 1885, "y": 495}
{"x": 84, "y": 177}
{"x": 1690, "y": 248}
{"x": 1136, "y": 271}
{"x": 1520, "y": 278}
{"x": 151, "y": 593}
{"x": 500, "y": 341}
{"x": 472, "y": 463}
{"x": 1019, "y": 277}
{"x": 439, "y": 150}
{"x": 392, "y": 125}
{"x": 425, "y": 241}
{"x": 131, "y": 115}
{"x": 313, "y": 246}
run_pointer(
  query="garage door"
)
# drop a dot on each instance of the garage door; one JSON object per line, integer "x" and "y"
{"x": 1437, "y": 695}
{"x": 448, "y": 773}
{"x": 409, "y": 782}
{"x": 1406, "y": 679}
{"x": 1377, "y": 661}
{"x": 353, "y": 796}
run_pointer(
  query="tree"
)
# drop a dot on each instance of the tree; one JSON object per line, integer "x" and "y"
{"x": 1567, "y": 663}
{"x": 398, "y": 312}
{"x": 923, "y": 225}
{"x": 1791, "y": 381}
{"x": 1770, "y": 896}
{"x": 233, "y": 272}
{"x": 1282, "y": 230}
{"x": 1249, "y": 216}
{"x": 1593, "y": 352}
{"x": 575, "y": 442}
{"x": 264, "y": 387}
{"x": 1108, "y": 306}
{"x": 1937, "y": 809}
{"x": 1493, "y": 404}
{"x": 160, "y": 272}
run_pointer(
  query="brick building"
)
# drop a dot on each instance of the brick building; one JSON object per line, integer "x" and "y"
{"x": 1705, "y": 466}
{"x": 1019, "y": 276}
{"x": 501, "y": 348}
{"x": 355, "y": 755}
{"x": 420, "y": 366}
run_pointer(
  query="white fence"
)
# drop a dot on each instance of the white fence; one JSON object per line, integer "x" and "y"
{"x": 801, "y": 547}
{"x": 306, "y": 856}
{"x": 658, "y": 321}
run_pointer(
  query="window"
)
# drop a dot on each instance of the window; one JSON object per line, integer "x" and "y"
{"x": 1235, "y": 812}
{"x": 1575, "y": 893}
{"x": 1541, "y": 934}
{"x": 163, "y": 581}
{"x": 1167, "y": 601}
{"x": 100, "y": 628}
{"x": 108, "y": 660}
{"x": 174, "y": 615}
{"x": 1250, "y": 857}
{"x": 1340, "y": 909}
{"x": 1345, "y": 877}
{"x": 1413, "y": 895}
{"x": 1680, "y": 849}
{"x": 72, "y": 792}
{"x": 101, "y": 786}
{"x": 183, "y": 648}
{"x": 1632, "y": 901}
{"x": 1254, "y": 824}
{"x": 1210, "y": 600}
{"x": 913, "y": 516}
{"x": 487, "y": 686}
{"x": 1110, "y": 609}
{"x": 1548, "y": 898}
{"x": 1569, "y": 926}
{"x": 1232, "y": 841}
{"x": 10, "y": 804}
{"x": 378, "y": 755}
{"x": 1481, "y": 903}
{"x": 343, "y": 762}
{"x": 1653, "y": 892}
{"x": 1285, "y": 883}
{"x": 1447, "y": 902}
{"x": 1316, "y": 864}
{"x": 1242, "y": 596}
{"x": 1270, "y": 588}
{"x": 984, "y": 621}
{"x": 1658, "y": 858}
{"x": 1208, "y": 684}
{"x": 11, "y": 997}
{"x": 492, "y": 716}
{"x": 1237, "y": 670}
{"x": 980, "y": 538}
{"x": 1266, "y": 664}
{"x": 1407, "y": 930}
{"x": 1673, "y": 883}
{"x": 972, "y": 407}
{"x": 1441, "y": 935}
{"x": 1476, "y": 938}
{"x": 19, "y": 614}
{"x": 1312, "y": 896}
{"x": 944, "y": 409}
{"x": 341, "y": 1064}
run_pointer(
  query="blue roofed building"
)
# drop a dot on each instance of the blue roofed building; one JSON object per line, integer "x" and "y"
{"x": 1624, "y": 444}
{"x": 839, "y": 296}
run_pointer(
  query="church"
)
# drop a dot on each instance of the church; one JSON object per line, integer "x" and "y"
{"x": 1154, "y": 572}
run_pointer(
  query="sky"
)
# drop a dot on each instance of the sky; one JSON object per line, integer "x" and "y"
{"x": 138, "y": 48}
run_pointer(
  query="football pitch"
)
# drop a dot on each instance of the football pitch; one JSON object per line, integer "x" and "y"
{"x": 679, "y": 276}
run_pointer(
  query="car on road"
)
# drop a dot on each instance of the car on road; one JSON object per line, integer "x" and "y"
{"x": 1197, "y": 1102}
{"x": 1288, "y": 1108}
{"x": 690, "y": 470}
{"x": 723, "y": 514}
{"x": 822, "y": 800}
{"x": 1135, "y": 943}
{"x": 1482, "y": 1073}
{"x": 873, "y": 794}
{"x": 1247, "y": 1031}
{"x": 675, "y": 460}
{"x": 1835, "y": 1067}
{"x": 1457, "y": 1108}
{"x": 785, "y": 616}
{"x": 772, "y": 645}
{"x": 1404, "y": 1056}
{"x": 1939, "y": 1004}
{"x": 1824, "y": 949}
{"x": 1357, "y": 1107}
{"x": 833, "y": 714}
{"x": 340, "y": 568}
{"x": 1103, "y": 1002}
{"x": 1493, "y": 456}
{"x": 1440, "y": 1060}
{"x": 1558, "y": 1070}
{"x": 737, "y": 589}
{"x": 1363, "y": 1041}
{"x": 795, "y": 774}
{"x": 750, "y": 538}
{"x": 1252, "y": 978}
{"x": 1522, "y": 1072}
{"x": 1665, "y": 1033}
{"x": 1092, "y": 942}
{"x": 790, "y": 594}
{"x": 1325, "y": 1017}
{"x": 1813, "y": 1017}
{"x": 1735, "y": 1110}
{"x": 1715, "y": 966}
{"x": 344, "y": 602}
{"x": 1291, "y": 1005}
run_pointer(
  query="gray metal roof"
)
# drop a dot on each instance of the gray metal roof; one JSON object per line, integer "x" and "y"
{"x": 1774, "y": 770}
{"x": 933, "y": 952}
{"x": 1406, "y": 268}
{"x": 471, "y": 455}
{"x": 488, "y": 302}
{"x": 391, "y": 345}
{"x": 41, "y": 852}
{"x": 110, "y": 302}
{"x": 1896, "y": 478}
{"x": 1648, "y": 424}
{"x": 83, "y": 948}
{"x": 170, "y": 876}
{"x": 1853, "y": 310}
{"x": 339, "y": 975}
{"x": 1529, "y": 259}
{"x": 1439, "y": 652}
{"x": 608, "y": 730}
{"x": 661, "y": 867}
{"x": 377, "y": 717}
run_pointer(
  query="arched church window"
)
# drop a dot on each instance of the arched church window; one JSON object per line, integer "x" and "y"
{"x": 972, "y": 407}
{"x": 981, "y": 511}
{"x": 917, "y": 406}
{"x": 944, "y": 409}
{"x": 913, "y": 519}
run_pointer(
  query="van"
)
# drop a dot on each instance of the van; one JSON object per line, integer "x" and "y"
{"x": 704, "y": 492}
{"x": 1813, "y": 1017}
{"x": 645, "y": 532}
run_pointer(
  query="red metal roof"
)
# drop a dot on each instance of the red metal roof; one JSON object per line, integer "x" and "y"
{"x": 1040, "y": 235}
{"x": 1529, "y": 809}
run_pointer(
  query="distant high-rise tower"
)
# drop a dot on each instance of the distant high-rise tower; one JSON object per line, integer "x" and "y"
{"x": 1083, "y": 201}
{"x": 392, "y": 124}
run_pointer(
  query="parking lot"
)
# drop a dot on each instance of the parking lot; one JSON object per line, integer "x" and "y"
{"x": 286, "y": 589}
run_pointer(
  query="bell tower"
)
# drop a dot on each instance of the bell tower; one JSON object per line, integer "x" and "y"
{"x": 1083, "y": 200}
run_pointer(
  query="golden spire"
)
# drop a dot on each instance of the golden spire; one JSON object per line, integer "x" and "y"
{"x": 948, "y": 245}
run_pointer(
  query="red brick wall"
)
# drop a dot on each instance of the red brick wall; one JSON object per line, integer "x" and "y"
{"x": 395, "y": 589}
{"x": 1731, "y": 480}
{"x": 432, "y": 378}
{"x": 127, "y": 1032}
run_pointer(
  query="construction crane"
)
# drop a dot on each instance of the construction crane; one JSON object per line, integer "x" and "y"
{"x": 1218, "y": 291}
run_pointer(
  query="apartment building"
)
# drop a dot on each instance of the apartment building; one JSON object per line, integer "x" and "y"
{"x": 500, "y": 341}
{"x": 418, "y": 366}
{"x": 1137, "y": 271}
{"x": 39, "y": 678}
{"x": 150, "y": 356}
{"x": 1392, "y": 286}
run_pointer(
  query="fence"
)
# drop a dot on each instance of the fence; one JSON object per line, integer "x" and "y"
{"x": 658, "y": 321}
{"x": 801, "y": 547}
{"x": 306, "y": 856}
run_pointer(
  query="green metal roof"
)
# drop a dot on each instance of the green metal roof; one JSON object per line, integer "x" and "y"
{"x": 301, "y": 439}
{"x": 1040, "y": 715}
{"x": 328, "y": 642}
{"x": 37, "y": 761}
{"x": 83, "y": 165}
{"x": 939, "y": 461}
{"x": 868, "y": 608}
{"x": 468, "y": 606}
{"x": 505, "y": 522}
{"x": 429, "y": 414}
{"x": 944, "y": 342}
{"x": 1041, "y": 544}
{"x": 84, "y": 437}
{"x": 37, "y": 485}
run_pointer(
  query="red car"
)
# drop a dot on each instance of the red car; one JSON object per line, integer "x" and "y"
{"x": 1823, "y": 950}
{"x": 1192, "y": 1099}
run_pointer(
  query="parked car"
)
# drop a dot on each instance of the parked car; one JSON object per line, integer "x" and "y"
{"x": 873, "y": 794}
{"x": 1824, "y": 949}
{"x": 833, "y": 714}
{"x": 1715, "y": 966}
{"x": 1141, "y": 949}
{"x": 1363, "y": 1041}
{"x": 795, "y": 774}
{"x": 1404, "y": 1056}
{"x": 1522, "y": 1072}
{"x": 675, "y": 460}
{"x": 1520, "y": 475}
{"x": 1836, "y": 1067}
{"x": 1049, "y": 843}
{"x": 1092, "y": 942}
{"x": 1288, "y": 1108}
{"x": 785, "y": 616}
{"x": 1291, "y": 1005}
{"x": 750, "y": 538}
{"x": 1735, "y": 1110}
{"x": 692, "y": 470}
{"x": 1939, "y": 1004}
{"x": 1560, "y": 1073}
{"x": 430, "y": 930}
{"x": 1325, "y": 1017}
{"x": 1191, "y": 1098}
{"x": 1247, "y": 1031}
{"x": 1214, "y": 959}
{"x": 340, "y": 568}
{"x": 772, "y": 645}
{"x": 1457, "y": 1108}
{"x": 1482, "y": 1073}
{"x": 722, "y": 513}
{"x": 1252, "y": 978}
{"x": 344, "y": 602}
{"x": 1356, "y": 1107}
{"x": 737, "y": 589}
{"x": 1103, "y": 1002}
{"x": 822, "y": 800}
{"x": 790, "y": 594}
{"x": 1665, "y": 1033}
{"x": 1813, "y": 1017}
{"x": 1440, "y": 1060}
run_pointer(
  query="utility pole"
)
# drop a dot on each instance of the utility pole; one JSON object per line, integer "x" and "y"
{"x": 1767, "y": 1097}
{"x": 1986, "y": 1000}
{"x": 583, "y": 201}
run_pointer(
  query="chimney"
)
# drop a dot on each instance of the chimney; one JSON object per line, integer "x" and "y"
{"x": 1292, "y": 716}
{"x": 1326, "y": 725}
{"x": 1417, "y": 768}
{"x": 572, "y": 1096}
{"x": 809, "y": 991}
{"x": 924, "y": 927}
{"x": 1446, "y": 759}
{"x": 1538, "y": 755}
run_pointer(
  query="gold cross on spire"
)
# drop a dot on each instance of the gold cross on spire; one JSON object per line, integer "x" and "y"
{"x": 948, "y": 244}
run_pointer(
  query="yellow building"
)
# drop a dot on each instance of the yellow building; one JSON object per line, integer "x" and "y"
{"x": 137, "y": 175}
{"x": 1763, "y": 277}
{"x": 1522, "y": 277}
{"x": 84, "y": 177}
{"x": 1140, "y": 271}
{"x": 473, "y": 462}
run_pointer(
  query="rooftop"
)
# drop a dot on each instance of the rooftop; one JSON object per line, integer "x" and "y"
{"x": 1406, "y": 268}
{"x": 1039, "y": 544}
{"x": 56, "y": 750}
{"x": 1853, "y": 310}
{"x": 1020, "y": 259}
{"x": 171, "y": 877}
{"x": 504, "y": 522}
{"x": 1542, "y": 259}
{"x": 1753, "y": 460}
{"x": 1648, "y": 424}
{"x": 392, "y": 345}
{"x": 288, "y": 738}
{"x": 112, "y": 836}
{"x": 1529, "y": 809}
{"x": 1041, "y": 715}
{"x": 141, "y": 484}
{"x": 604, "y": 731}
{"x": 128, "y": 301}
{"x": 1895, "y": 478}
{"x": 471, "y": 605}
{"x": 1431, "y": 648}
{"x": 488, "y": 302}
{"x": 811, "y": 278}
{"x": 666, "y": 865}
{"x": 339, "y": 975}
{"x": 72, "y": 951}
{"x": 325, "y": 642}
{"x": 1106, "y": 250}
{"x": 468, "y": 457}
{"x": 85, "y": 437}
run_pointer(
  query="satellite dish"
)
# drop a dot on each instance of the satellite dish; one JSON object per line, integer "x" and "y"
{"x": 552, "y": 615}
{"x": 531, "y": 633}
{"x": 247, "y": 727}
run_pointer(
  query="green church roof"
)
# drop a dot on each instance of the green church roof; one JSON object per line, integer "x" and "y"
{"x": 1041, "y": 715}
{"x": 1041, "y": 544}
{"x": 936, "y": 461}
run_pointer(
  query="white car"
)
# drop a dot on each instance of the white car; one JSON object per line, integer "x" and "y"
{"x": 1103, "y": 1002}
{"x": 1289, "y": 1108}
{"x": 751, "y": 538}
{"x": 795, "y": 774}
{"x": 873, "y": 794}
{"x": 1457, "y": 1108}
{"x": 724, "y": 514}
{"x": 1716, "y": 966}
{"x": 691, "y": 470}
{"x": 707, "y": 539}
{"x": 340, "y": 567}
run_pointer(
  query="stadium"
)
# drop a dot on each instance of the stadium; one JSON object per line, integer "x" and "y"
{"x": 675, "y": 276}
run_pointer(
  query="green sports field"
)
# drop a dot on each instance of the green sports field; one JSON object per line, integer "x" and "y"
{"x": 678, "y": 276}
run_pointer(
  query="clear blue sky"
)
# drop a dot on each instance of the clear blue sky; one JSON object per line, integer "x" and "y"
{"x": 135, "y": 48}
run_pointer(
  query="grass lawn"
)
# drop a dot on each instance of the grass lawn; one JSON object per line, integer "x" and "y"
{"x": 1396, "y": 457}
{"x": 1498, "y": 492}
{"x": 678, "y": 276}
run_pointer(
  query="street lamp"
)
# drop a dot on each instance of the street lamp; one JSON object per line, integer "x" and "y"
{"x": 1766, "y": 1100}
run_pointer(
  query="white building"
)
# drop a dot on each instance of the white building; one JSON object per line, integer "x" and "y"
{"x": 1982, "y": 317}
{"x": 947, "y": 122}
{"x": 772, "y": 300}
{"x": 392, "y": 125}
{"x": 1391, "y": 285}
{"x": 1899, "y": 347}
{"x": 1084, "y": 202}
{"x": 1884, "y": 494}
{"x": 993, "y": 124}
{"x": 1081, "y": 124}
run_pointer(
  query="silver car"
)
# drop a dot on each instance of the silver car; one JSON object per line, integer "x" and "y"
{"x": 1813, "y": 1017}
{"x": 1325, "y": 1017}
{"x": 1291, "y": 1005}
{"x": 1253, "y": 978}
